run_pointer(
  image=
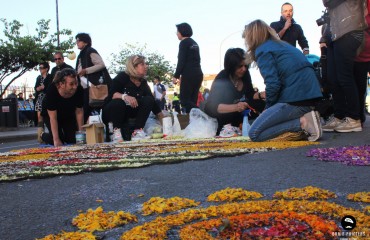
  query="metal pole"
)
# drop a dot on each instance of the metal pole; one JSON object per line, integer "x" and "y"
{"x": 57, "y": 23}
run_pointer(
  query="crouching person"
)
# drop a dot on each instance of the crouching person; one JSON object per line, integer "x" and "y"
{"x": 62, "y": 109}
{"x": 130, "y": 97}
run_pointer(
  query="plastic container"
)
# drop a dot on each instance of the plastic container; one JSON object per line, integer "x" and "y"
{"x": 246, "y": 126}
{"x": 80, "y": 137}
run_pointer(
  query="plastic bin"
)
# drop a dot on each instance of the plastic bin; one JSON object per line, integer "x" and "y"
{"x": 9, "y": 112}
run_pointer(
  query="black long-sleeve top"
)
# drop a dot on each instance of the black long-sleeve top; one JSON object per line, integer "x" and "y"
{"x": 293, "y": 34}
{"x": 47, "y": 81}
{"x": 223, "y": 92}
{"x": 188, "y": 59}
{"x": 122, "y": 84}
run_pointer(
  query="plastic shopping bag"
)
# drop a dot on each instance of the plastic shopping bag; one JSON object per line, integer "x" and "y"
{"x": 200, "y": 125}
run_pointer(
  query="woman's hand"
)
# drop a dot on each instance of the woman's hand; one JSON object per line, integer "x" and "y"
{"x": 241, "y": 106}
{"x": 131, "y": 101}
{"x": 40, "y": 88}
{"x": 82, "y": 72}
{"x": 259, "y": 95}
{"x": 175, "y": 80}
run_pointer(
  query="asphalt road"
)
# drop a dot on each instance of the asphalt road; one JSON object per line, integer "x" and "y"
{"x": 35, "y": 208}
{"x": 13, "y": 145}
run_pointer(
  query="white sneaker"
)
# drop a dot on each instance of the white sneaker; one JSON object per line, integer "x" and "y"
{"x": 349, "y": 125}
{"x": 331, "y": 124}
{"x": 139, "y": 134}
{"x": 117, "y": 135}
{"x": 313, "y": 126}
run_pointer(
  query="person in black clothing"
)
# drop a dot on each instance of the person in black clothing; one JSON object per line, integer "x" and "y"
{"x": 91, "y": 70}
{"x": 188, "y": 68}
{"x": 232, "y": 92}
{"x": 60, "y": 64}
{"x": 20, "y": 96}
{"x": 130, "y": 97}
{"x": 62, "y": 109}
{"x": 288, "y": 30}
{"x": 41, "y": 85}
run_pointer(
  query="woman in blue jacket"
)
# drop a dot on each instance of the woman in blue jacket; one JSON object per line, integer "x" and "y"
{"x": 292, "y": 88}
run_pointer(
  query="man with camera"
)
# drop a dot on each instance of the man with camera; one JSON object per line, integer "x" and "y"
{"x": 288, "y": 30}
{"x": 347, "y": 23}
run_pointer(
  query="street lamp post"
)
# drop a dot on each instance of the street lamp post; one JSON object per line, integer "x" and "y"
{"x": 57, "y": 23}
{"x": 223, "y": 40}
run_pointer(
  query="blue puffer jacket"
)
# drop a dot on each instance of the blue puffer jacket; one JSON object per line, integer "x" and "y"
{"x": 288, "y": 76}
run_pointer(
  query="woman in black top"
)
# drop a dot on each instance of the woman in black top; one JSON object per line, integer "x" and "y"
{"x": 42, "y": 83}
{"x": 130, "y": 97}
{"x": 188, "y": 68}
{"x": 232, "y": 91}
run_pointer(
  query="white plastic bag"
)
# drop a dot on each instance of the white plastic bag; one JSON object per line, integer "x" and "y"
{"x": 167, "y": 126}
{"x": 200, "y": 125}
{"x": 176, "y": 128}
{"x": 152, "y": 125}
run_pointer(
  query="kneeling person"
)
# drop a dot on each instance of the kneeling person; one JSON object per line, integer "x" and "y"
{"x": 130, "y": 97}
{"x": 62, "y": 109}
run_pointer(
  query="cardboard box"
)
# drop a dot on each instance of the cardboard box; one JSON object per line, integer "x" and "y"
{"x": 94, "y": 133}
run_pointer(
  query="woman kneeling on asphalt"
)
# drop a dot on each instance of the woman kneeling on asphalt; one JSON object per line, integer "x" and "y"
{"x": 291, "y": 86}
{"x": 232, "y": 92}
{"x": 130, "y": 97}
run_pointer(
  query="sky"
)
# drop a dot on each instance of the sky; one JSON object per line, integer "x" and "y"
{"x": 217, "y": 25}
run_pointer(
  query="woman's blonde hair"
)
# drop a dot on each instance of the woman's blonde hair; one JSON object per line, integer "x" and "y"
{"x": 131, "y": 64}
{"x": 256, "y": 33}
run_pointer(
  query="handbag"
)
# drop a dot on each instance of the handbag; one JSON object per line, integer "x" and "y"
{"x": 97, "y": 95}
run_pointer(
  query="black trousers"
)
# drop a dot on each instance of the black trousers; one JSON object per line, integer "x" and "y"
{"x": 117, "y": 112}
{"x": 340, "y": 59}
{"x": 189, "y": 89}
{"x": 360, "y": 72}
{"x": 67, "y": 130}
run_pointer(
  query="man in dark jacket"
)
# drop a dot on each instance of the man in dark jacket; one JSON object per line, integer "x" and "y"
{"x": 60, "y": 64}
{"x": 288, "y": 30}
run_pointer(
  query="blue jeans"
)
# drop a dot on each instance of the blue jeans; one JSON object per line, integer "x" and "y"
{"x": 277, "y": 119}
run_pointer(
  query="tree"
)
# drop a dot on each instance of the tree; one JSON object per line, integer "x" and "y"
{"x": 20, "y": 54}
{"x": 158, "y": 66}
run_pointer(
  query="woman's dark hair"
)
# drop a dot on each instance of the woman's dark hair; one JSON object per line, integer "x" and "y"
{"x": 45, "y": 65}
{"x": 184, "y": 29}
{"x": 233, "y": 57}
{"x": 84, "y": 37}
{"x": 60, "y": 76}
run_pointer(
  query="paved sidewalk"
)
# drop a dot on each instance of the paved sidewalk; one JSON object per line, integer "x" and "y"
{"x": 17, "y": 134}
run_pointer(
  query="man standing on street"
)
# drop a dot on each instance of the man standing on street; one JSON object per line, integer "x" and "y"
{"x": 60, "y": 64}
{"x": 288, "y": 30}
